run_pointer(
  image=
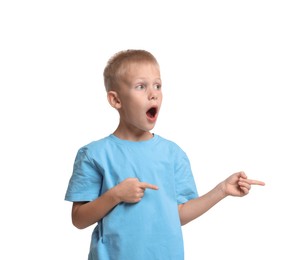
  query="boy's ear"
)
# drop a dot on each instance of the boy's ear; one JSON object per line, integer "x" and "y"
{"x": 114, "y": 99}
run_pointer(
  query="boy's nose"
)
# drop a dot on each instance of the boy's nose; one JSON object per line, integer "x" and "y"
{"x": 152, "y": 95}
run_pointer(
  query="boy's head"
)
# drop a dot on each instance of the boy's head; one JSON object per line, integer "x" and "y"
{"x": 133, "y": 83}
{"x": 118, "y": 65}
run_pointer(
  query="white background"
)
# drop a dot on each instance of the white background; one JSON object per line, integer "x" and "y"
{"x": 222, "y": 65}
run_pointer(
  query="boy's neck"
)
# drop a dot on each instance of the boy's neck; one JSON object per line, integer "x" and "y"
{"x": 135, "y": 137}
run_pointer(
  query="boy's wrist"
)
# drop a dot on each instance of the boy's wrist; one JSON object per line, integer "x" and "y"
{"x": 221, "y": 189}
{"x": 114, "y": 193}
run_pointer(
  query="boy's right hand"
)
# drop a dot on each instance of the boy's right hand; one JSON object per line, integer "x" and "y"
{"x": 131, "y": 190}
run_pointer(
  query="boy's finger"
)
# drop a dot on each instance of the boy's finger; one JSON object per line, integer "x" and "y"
{"x": 145, "y": 185}
{"x": 256, "y": 182}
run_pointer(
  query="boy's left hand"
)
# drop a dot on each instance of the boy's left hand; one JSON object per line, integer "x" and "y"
{"x": 239, "y": 185}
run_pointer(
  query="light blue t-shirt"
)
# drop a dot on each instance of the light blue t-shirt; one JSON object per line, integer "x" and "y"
{"x": 149, "y": 229}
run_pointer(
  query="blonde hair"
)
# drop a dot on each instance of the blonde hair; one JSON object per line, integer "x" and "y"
{"x": 114, "y": 69}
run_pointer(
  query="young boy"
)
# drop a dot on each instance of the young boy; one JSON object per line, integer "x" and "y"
{"x": 137, "y": 186}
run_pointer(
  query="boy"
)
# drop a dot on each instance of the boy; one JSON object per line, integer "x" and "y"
{"x": 137, "y": 186}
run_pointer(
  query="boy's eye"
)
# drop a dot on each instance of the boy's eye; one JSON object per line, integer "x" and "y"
{"x": 157, "y": 86}
{"x": 140, "y": 87}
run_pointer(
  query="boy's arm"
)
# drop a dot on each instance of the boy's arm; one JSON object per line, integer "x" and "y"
{"x": 85, "y": 214}
{"x": 235, "y": 185}
{"x": 131, "y": 190}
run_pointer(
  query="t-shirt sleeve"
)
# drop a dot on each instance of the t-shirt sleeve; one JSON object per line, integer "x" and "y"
{"x": 184, "y": 180}
{"x": 85, "y": 182}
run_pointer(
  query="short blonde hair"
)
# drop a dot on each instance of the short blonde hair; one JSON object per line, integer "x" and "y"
{"x": 116, "y": 64}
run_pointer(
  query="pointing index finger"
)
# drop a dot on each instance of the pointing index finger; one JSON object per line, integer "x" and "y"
{"x": 145, "y": 185}
{"x": 256, "y": 182}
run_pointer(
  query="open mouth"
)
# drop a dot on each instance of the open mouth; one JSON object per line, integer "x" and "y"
{"x": 151, "y": 113}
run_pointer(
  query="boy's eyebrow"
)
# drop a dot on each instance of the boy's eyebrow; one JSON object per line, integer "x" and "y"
{"x": 143, "y": 78}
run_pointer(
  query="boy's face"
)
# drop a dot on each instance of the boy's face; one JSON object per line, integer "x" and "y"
{"x": 140, "y": 96}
